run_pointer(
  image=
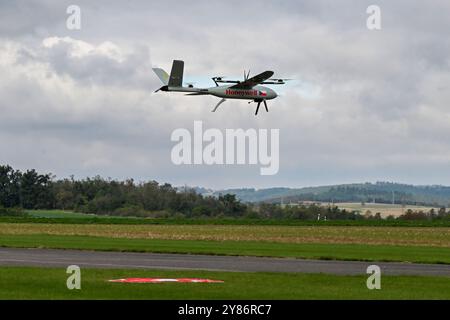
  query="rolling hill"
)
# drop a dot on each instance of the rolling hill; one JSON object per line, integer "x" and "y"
{"x": 379, "y": 192}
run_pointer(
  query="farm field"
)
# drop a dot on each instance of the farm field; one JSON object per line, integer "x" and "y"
{"x": 384, "y": 209}
{"x": 50, "y": 283}
{"x": 425, "y": 244}
{"x": 407, "y": 236}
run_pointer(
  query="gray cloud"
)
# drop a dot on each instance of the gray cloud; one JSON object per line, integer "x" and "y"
{"x": 366, "y": 105}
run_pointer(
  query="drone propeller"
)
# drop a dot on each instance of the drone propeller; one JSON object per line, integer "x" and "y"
{"x": 280, "y": 80}
{"x": 246, "y": 75}
{"x": 218, "y": 80}
{"x": 276, "y": 81}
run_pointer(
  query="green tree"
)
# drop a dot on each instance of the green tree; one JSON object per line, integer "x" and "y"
{"x": 9, "y": 187}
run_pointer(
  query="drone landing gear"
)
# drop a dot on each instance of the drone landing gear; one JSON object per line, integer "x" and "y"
{"x": 220, "y": 102}
{"x": 259, "y": 103}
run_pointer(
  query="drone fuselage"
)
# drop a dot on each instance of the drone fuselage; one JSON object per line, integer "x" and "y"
{"x": 227, "y": 92}
{"x": 257, "y": 92}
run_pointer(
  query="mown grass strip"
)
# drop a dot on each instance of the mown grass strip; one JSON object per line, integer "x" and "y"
{"x": 357, "y": 252}
{"x": 50, "y": 283}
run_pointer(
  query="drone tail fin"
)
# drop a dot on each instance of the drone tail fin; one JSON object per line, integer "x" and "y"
{"x": 176, "y": 74}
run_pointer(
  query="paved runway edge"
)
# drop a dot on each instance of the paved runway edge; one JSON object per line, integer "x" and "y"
{"x": 102, "y": 259}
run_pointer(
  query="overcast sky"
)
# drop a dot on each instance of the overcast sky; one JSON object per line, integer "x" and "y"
{"x": 365, "y": 105}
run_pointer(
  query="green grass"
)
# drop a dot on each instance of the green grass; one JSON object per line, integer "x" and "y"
{"x": 69, "y": 217}
{"x": 419, "y": 254}
{"x": 50, "y": 283}
{"x": 58, "y": 214}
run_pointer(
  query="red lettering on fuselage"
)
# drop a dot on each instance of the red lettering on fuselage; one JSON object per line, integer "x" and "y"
{"x": 251, "y": 93}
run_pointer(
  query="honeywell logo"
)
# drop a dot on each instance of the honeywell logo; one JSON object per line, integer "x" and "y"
{"x": 251, "y": 93}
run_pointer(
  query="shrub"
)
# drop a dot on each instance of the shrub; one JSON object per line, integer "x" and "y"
{"x": 12, "y": 212}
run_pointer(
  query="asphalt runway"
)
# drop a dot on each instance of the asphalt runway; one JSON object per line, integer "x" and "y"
{"x": 98, "y": 259}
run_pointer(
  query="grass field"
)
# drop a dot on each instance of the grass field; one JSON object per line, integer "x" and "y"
{"x": 58, "y": 214}
{"x": 365, "y": 243}
{"x": 50, "y": 283}
{"x": 418, "y": 254}
{"x": 423, "y": 245}
{"x": 438, "y": 237}
{"x": 70, "y": 217}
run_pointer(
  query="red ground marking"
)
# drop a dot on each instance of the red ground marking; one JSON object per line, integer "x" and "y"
{"x": 159, "y": 280}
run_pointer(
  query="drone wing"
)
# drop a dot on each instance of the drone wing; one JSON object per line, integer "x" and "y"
{"x": 253, "y": 81}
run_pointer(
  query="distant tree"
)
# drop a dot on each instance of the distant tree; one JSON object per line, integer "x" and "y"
{"x": 201, "y": 211}
{"x": 413, "y": 215}
{"x": 9, "y": 187}
{"x": 231, "y": 206}
{"x": 442, "y": 213}
{"x": 36, "y": 191}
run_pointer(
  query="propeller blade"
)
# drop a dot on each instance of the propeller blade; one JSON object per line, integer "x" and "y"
{"x": 280, "y": 81}
{"x": 248, "y": 74}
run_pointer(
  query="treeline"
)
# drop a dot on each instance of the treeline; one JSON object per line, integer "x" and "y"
{"x": 316, "y": 212}
{"x": 27, "y": 189}
{"x": 32, "y": 190}
{"x": 432, "y": 214}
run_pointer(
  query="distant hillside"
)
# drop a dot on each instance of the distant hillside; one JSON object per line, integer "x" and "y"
{"x": 380, "y": 192}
